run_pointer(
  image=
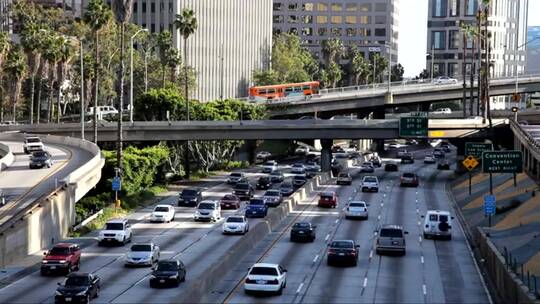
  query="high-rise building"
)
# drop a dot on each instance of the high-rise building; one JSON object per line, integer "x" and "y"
{"x": 508, "y": 28}
{"x": 533, "y": 50}
{"x": 370, "y": 25}
{"x": 5, "y": 21}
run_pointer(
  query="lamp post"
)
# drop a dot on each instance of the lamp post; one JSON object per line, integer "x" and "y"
{"x": 131, "y": 74}
{"x": 515, "y": 97}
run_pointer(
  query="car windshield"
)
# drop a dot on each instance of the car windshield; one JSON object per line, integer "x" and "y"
{"x": 242, "y": 186}
{"x": 235, "y": 219}
{"x": 33, "y": 140}
{"x": 256, "y": 202}
{"x": 269, "y": 271}
{"x": 367, "y": 164}
{"x": 263, "y": 180}
{"x": 141, "y": 247}
{"x": 39, "y": 154}
{"x": 327, "y": 196}
{"x": 341, "y": 244}
{"x": 207, "y": 206}
{"x": 357, "y": 205}
{"x": 299, "y": 177}
{"x": 272, "y": 193}
{"x": 77, "y": 281}
{"x": 229, "y": 197}
{"x": 298, "y": 166}
{"x": 161, "y": 209}
{"x": 286, "y": 185}
{"x": 59, "y": 251}
{"x": 269, "y": 163}
{"x": 408, "y": 175}
{"x": 343, "y": 175}
{"x": 301, "y": 225}
{"x": 189, "y": 192}
{"x": 391, "y": 232}
{"x": 114, "y": 226}
{"x": 443, "y": 218}
{"x": 370, "y": 179}
{"x": 166, "y": 266}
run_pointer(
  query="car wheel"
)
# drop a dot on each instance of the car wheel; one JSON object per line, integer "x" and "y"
{"x": 312, "y": 239}
{"x": 78, "y": 266}
{"x": 184, "y": 277}
{"x": 43, "y": 272}
{"x": 355, "y": 262}
{"x": 152, "y": 284}
{"x": 280, "y": 291}
{"x": 124, "y": 240}
{"x": 87, "y": 299}
{"x": 177, "y": 282}
{"x": 97, "y": 292}
{"x": 69, "y": 269}
{"x": 449, "y": 237}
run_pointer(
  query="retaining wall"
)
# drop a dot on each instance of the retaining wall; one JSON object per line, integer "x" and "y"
{"x": 49, "y": 218}
{"x": 7, "y": 156}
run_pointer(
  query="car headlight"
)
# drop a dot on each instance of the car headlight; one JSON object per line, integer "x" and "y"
{"x": 173, "y": 276}
{"x": 62, "y": 261}
{"x": 82, "y": 293}
{"x": 152, "y": 276}
{"x": 44, "y": 262}
{"x": 58, "y": 293}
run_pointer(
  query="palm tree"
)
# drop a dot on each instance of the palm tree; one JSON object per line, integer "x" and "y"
{"x": 65, "y": 54}
{"x": 52, "y": 55}
{"x": 97, "y": 15}
{"x": 164, "y": 44}
{"x": 16, "y": 68}
{"x": 31, "y": 41}
{"x": 360, "y": 67}
{"x": 332, "y": 49}
{"x": 186, "y": 24}
{"x": 4, "y": 49}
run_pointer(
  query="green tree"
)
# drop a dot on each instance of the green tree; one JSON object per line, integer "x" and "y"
{"x": 32, "y": 43}
{"x": 66, "y": 51}
{"x": 16, "y": 68}
{"x": 4, "y": 50}
{"x": 265, "y": 77}
{"x": 186, "y": 24}
{"x": 97, "y": 15}
{"x": 360, "y": 68}
{"x": 332, "y": 50}
{"x": 165, "y": 44}
{"x": 397, "y": 72}
{"x": 52, "y": 54}
{"x": 380, "y": 64}
{"x": 332, "y": 75}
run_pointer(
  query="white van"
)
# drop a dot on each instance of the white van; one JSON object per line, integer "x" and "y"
{"x": 438, "y": 223}
{"x": 102, "y": 111}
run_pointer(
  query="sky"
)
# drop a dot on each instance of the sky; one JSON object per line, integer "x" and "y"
{"x": 413, "y": 33}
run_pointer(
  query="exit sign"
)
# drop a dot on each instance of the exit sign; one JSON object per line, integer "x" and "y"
{"x": 415, "y": 125}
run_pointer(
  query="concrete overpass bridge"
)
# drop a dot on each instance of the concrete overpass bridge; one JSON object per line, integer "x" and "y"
{"x": 367, "y": 98}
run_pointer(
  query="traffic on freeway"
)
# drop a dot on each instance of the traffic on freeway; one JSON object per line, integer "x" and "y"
{"x": 396, "y": 243}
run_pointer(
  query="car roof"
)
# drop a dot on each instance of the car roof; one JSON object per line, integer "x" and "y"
{"x": 162, "y": 205}
{"x": 357, "y": 202}
{"x": 370, "y": 176}
{"x": 233, "y": 216}
{"x": 349, "y": 241}
{"x": 209, "y": 201}
{"x": 265, "y": 265}
{"x": 64, "y": 245}
{"x": 117, "y": 220}
{"x": 328, "y": 193}
{"x": 143, "y": 243}
{"x": 32, "y": 137}
{"x": 438, "y": 212}
{"x": 391, "y": 226}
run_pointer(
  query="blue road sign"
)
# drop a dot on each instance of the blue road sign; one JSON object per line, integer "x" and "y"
{"x": 116, "y": 184}
{"x": 490, "y": 206}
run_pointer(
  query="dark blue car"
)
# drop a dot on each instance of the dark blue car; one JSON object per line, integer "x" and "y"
{"x": 256, "y": 208}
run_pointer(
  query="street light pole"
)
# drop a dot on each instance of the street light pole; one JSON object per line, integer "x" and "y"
{"x": 82, "y": 88}
{"x": 131, "y": 75}
{"x": 432, "y": 60}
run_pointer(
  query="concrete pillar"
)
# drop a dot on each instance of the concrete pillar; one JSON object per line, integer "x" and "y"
{"x": 326, "y": 155}
{"x": 251, "y": 146}
{"x": 378, "y": 144}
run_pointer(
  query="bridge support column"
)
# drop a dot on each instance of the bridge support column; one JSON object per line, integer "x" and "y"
{"x": 326, "y": 155}
{"x": 377, "y": 145}
{"x": 251, "y": 146}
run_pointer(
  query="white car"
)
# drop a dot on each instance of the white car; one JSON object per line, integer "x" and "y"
{"x": 298, "y": 169}
{"x": 370, "y": 183}
{"x": 33, "y": 143}
{"x": 442, "y": 111}
{"x": 263, "y": 156}
{"x": 263, "y": 277}
{"x": 429, "y": 159}
{"x": 444, "y": 80}
{"x": 143, "y": 254}
{"x": 236, "y": 224}
{"x": 208, "y": 211}
{"x": 438, "y": 223}
{"x": 301, "y": 150}
{"x": 269, "y": 166}
{"x": 367, "y": 167}
{"x": 115, "y": 231}
{"x": 344, "y": 179}
{"x": 163, "y": 213}
{"x": 357, "y": 209}
{"x": 235, "y": 177}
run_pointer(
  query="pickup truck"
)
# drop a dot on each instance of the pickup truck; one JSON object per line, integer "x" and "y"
{"x": 32, "y": 144}
{"x": 63, "y": 258}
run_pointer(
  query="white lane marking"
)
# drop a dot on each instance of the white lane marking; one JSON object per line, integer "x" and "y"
{"x": 378, "y": 218}
{"x": 140, "y": 281}
{"x": 382, "y": 204}
{"x": 417, "y": 210}
{"x": 422, "y": 259}
{"x": 384, "y": 195}
{"x": 424, "y": 289}
{"x": 327, "y": 237}
{"x": 420, "y": 239}
{"x": 418, "y": 223}
{"x": 299, "y": 287}
{"x": 336, "y": 221}
{"x": 355, "y": 190}
{"x": 371, "y": 254}
{"x": 365, "y": 283}
{"x": 417, "y": 200}
{"x": 350, "y": 197}
{"x": 315, "y": 259}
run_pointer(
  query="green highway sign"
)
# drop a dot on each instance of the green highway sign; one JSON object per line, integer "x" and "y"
{"x": 414, "y": 126}
{"x": 475, "y": 149}
{"x": 502, "y": 162}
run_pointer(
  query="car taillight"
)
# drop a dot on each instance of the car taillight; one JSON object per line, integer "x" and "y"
{"x": 248, "y": 281}
{"x": 273, "y": 282}
{"x": 331, "y": 251}
{"x": 353, "y": 251}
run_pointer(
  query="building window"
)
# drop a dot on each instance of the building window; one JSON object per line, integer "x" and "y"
{"x": 161, "y": 6}
{"x": 364, "y": 32}
{"x": 292, "y": 19}
{"x": 307, "y": 31}
{"x": 322, "y": 7}
{"x": 439, "y": 8}
{"x": 380, "y": 7}
{"x": 454, "y": 8}
{"x": 350, "y": 19}
{"x": 365, "y": 7}
{"x": 277, "y": 31}
{"x": 293, "y": 6}
{"x": 337, "y": 7}
{"x": 336, "y": 31}
{"x": 336, "y": 19}
{"x": 350, "y": 7}
{"x": 322, "y": 31}
{"x": 471, "y": 6}
{"x": 453, "y": 69}
{"x": 351, "y": 32}
{"x": 152, "y": 28}
{"x": 470, "y": 42}
{"x": 278, "y": 6}
{"x": 380, "y": 19}
{"x": 161, "y": 27}
{"x": 453, "y": 39}
{"x": 307, "y": 7}
{"x": 144, "y": 7}
{"x": 152, "y": 7}
{"x": 380, "y": 32}
{"x": 322, "y": 19}
{"x": 438, "y": 39}
{"x": 307, "y": 19}
{"x": 438, "y": 69}
{"x": 293, "y": 31}
{"x": 278, "y": 19}
{"x": 170, "y": 7}
{"x": 364, "y": 20}
{"x": 135, "y": 7}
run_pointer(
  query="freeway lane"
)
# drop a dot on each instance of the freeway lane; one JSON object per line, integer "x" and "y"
{"x": 430, "y": 272}
{"x": 22, "y": 185}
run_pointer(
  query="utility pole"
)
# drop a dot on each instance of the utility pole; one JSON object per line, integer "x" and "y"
{"x": 464, "y": 70}
{"x": 479, "y": 64}
{"x": 82, "y": 87}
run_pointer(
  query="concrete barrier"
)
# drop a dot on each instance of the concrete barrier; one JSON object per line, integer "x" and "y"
{"x": 50, "y": 217}
{"x": 198, "y": 290}
{"x": 7, "y": 156}
{"x": 508, "y": 285}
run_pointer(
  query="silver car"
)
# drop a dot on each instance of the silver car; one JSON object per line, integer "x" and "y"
{"x": 391, "y": 239}
{"x": 143, "y": 254}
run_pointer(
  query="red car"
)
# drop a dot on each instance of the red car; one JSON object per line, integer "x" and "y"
{"x": 230, "y": 201}
{"x": 63, "y": 258}
{"x": 328, "y": 199}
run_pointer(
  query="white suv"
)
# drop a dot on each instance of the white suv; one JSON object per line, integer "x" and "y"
{"x": 115, "y": 231}
{"x": 370, "y": 183}
{"x": 163, "y": 213}
{"x": 438, "y": 223}
{"x": 208, "y": 211}
{"x": 33, "y": 143}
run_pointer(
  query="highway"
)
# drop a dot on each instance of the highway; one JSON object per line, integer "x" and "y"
{"x": 432, "y": 271}
{"x": 22, "y": 185}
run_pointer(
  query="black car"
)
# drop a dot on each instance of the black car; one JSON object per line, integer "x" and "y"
{"x": 78, "y": 287}
{"x": 190, "y": 197}
{"x": 299, "y": 180}
{"x": 168, "y": 272}
{"x": 40, "y": 159}
{"x": 390, "y": 167}
{"x": 286, "y": 189}
{"x": 264, "y": 183}
{"x": 243, "y": 190}
{"x": 342, "y": 251}
{"x": 446, "y": 148}
{"x": 407, "y": 158}
{"x": 443, "y": 165}
{"x": 277, "y": 177}
{"x": 303, "y": 231}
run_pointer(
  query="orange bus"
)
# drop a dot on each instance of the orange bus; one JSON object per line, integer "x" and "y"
{"x": 277, "y": 91}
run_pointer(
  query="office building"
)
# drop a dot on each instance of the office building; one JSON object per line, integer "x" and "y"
{"x": 370, "y": 25}
{"x": 507, "y": 24}
{"x": 5, "y": 21}
{"x": 533, "y": 50}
